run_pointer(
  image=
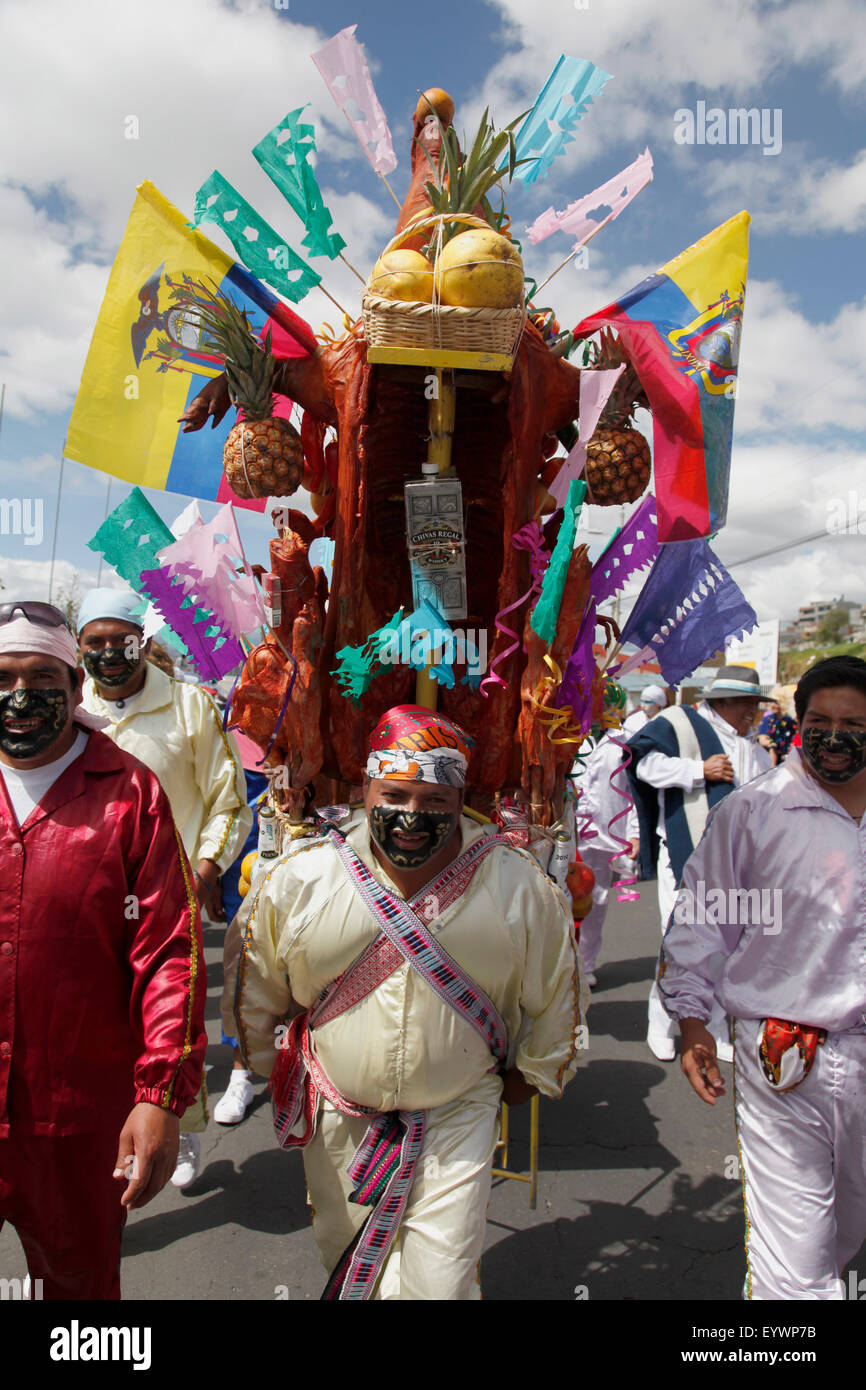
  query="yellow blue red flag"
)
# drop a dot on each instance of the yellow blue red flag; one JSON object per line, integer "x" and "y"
{"x": 681, "y": 330}
{"x": 145, "y": 364}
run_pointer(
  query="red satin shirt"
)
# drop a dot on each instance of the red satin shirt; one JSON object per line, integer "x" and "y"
{"x": 102, "y": 979}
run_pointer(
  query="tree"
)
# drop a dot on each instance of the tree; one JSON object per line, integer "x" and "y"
{"x": 832, "y": 625}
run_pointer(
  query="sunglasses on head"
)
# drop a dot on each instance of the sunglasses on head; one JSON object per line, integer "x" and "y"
{"x": 45, "y": 614}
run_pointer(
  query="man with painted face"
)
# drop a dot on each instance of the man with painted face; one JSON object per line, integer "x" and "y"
{"x": 781, "y": 945}
{"x": 101, "y": 977}
{"x": 176, "y": 731}
{"x": 427, "y": 969}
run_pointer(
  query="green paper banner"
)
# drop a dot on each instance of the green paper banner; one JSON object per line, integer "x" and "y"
{"x": 256, "y": 243}
{"x": 545, "y": 614}
{"x": 283, "y": 154}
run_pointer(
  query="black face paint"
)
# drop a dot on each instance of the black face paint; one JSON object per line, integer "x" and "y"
{"x": 384, "y": 820}
{"x": 818, "y": 742}
{"x": 96, "y": 662}
{"x": 50, "y": 707}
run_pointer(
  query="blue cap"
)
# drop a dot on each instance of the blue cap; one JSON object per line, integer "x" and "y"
{"x": 122, "y": 604}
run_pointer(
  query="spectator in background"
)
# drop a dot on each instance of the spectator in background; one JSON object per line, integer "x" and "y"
{"x": 776, "y": 731}
{"x": 176, "y": 731}
{"x": 653, "y": 698}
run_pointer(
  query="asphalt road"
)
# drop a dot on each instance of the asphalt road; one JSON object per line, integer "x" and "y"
{"x": 639, "y": 1194}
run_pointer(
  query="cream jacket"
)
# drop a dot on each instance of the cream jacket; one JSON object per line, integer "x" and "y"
{"x": 402, "y": 1047}
{"x": 175, "y": 730}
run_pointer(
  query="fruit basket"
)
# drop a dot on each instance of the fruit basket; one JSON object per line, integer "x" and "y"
{"x": 415, "y": 324}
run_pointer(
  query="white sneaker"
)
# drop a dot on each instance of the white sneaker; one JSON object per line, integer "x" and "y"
{"x": 724, "y": 1051}
{"x": 661, "y": 1046}
{"x": 188, "y": 1161}
{"x": 231, "y": 1107}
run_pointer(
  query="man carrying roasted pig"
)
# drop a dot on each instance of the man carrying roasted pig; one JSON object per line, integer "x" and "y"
{"x": 401, "y": 974}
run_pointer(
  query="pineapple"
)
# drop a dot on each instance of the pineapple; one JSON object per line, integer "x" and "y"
{"x": 263, "y": 455}
{"x": 618, "y": 459}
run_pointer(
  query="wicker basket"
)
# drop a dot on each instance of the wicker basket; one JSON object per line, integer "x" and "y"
{"x": 411, "y": 324}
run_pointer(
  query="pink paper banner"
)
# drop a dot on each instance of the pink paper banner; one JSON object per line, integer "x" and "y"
{"x": 595, "y": 388}
{"x": 616, "y": 194}
{"x": 206, "y": 559}
{"x": 344, "y": 68}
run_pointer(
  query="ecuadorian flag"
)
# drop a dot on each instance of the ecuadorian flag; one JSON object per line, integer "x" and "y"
{"x": 681, "y": 330}
{"x": 145, "y": 364}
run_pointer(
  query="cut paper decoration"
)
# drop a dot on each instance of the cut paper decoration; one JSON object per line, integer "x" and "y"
{"x": 681, "y": 331}
{"x": 530, "y": 537}
{"x": 628, "y": 550}
{"x": 206, "y": 561}
{"x": 411, "y": 641}
{"x": 358, "y": 667}
{"x": 575, "y": 690}
{"x": 687, "y": 609}
{"x": 260, "y": 248}
{"x": 145, "y": 364}
{"x": 559, "y": 106}
{"x": 284, "y": 155}
{"x": 130, "y": 538}
{"x": 153, "y": 622}
{"x": 344, "y": 68}
{"x": 595, "y": 388}
{"x": 545, "y": 614}
{"x": 614, "y": 196}
{"x": 213, "y": 651}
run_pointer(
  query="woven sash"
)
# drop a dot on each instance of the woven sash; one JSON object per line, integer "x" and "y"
{"x": 383, "y": 1168}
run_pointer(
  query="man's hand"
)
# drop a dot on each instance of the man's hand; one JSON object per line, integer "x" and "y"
{"x": 516, "y": 1090}
{"x": 211, "y": 402}
{"x": 149, "y": 1139}
{"x": 633, "y": 849}
{"x": 698, "y": 1060}
{"x": 207, "y": 888}
{"x": 718, "y": 768}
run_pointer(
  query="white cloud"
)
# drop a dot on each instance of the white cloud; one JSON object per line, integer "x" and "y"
{"x": 29, "y": 579}
{"x": 799, "y": 197}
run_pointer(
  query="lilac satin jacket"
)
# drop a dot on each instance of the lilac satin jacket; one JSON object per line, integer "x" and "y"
{"x": 771, "y": 914}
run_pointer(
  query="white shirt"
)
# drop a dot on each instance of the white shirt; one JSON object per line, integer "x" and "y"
{"x": 27, "y": 786}
{"x": 771, "y": 917}
{"x": 176, "y": 731}
{"x": 748, "y": 759}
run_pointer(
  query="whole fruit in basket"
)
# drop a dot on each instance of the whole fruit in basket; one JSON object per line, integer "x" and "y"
{"x": 480, "y": 269}
{"x": 403, "y": 274}
{"x": 618, "y": 458}
{"x": 263, "y": 455}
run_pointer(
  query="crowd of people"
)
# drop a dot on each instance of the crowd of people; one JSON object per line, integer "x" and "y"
{"x": 407, "y": 968}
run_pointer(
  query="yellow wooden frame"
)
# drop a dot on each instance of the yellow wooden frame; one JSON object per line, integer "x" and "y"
{"x": 532, "y": 1176}
{"x": 440, "y": 357}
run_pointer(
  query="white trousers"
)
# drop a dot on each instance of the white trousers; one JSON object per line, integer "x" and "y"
{"x": 436, "y": 1251}
{"x": 659, "y": 1022}
{"x": 803, "y": 1161}
{"x": 589, "y": 942}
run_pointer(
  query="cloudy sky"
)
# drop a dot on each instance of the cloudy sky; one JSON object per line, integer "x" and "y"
{"x": 207, "y": 79}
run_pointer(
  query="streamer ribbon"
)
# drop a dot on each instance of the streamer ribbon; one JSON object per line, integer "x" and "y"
{"x": 629, "y": 895}
{"x": 531, "y": 538}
